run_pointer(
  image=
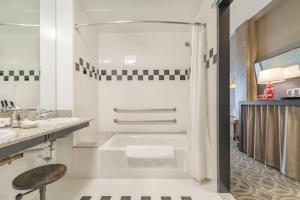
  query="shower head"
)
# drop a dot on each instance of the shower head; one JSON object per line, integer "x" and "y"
{"x": 187, "y": 44}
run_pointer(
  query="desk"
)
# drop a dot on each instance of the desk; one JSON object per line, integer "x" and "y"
{"x": 270, "y": 133}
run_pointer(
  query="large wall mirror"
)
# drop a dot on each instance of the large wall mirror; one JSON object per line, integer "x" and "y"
{"x": 23, "y": 46}
{"x": 288, "y": 61}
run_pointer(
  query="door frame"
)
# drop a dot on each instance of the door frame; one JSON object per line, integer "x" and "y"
{"x": 223, "y": 74}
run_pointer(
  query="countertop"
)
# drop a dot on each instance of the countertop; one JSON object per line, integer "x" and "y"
{"x": 23, "y": 135}
{"x": 272, "y": 102}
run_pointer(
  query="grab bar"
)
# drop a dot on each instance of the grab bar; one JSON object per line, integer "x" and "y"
{"x": 162, "y": 110}
{"x": 173, "y": 121}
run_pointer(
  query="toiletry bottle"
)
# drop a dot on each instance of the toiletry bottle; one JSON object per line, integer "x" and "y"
{"x": 15, "y": 121}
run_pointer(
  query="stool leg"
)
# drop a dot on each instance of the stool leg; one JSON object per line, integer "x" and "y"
{"x": 43, "y": 193}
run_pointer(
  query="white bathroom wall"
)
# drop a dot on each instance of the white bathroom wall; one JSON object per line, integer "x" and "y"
{"x": 9, "y": 171}
{"x": 208, "y": 15}
{"x": 64, "y": 54}
{"x": 85, "y": 87}
{"x": 128, "y": 63}
{"x": 48, "y": 54}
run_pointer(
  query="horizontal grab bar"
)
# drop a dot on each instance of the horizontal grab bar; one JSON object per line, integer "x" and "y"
{"x": 173, "y": 121}
{"x": 162, "y": 110}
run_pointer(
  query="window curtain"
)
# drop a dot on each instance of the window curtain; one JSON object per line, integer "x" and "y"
{"x": 245, "y": 53}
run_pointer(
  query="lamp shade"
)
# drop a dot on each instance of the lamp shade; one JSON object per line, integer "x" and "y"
{"x": 273, "y": 75}
{"x": 291, "y": 71}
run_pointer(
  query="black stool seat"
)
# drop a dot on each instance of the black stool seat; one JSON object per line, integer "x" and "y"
{"x": 39, "y": 177}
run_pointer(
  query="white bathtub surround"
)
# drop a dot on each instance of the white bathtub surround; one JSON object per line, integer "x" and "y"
{"x": 115, "y": 164}
{"x": 110, "y": 160}
{"x": 199, "y": 133}
{"x": 150, "y": 152}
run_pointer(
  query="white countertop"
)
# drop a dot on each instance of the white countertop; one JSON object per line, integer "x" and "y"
{"x": 27, "y": 134}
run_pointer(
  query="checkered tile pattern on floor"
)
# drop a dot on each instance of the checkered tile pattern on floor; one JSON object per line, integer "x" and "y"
{"x": 129, "y": 198}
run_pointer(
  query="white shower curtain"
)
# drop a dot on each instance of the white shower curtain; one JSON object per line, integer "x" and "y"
{"x": 200, "y": 147}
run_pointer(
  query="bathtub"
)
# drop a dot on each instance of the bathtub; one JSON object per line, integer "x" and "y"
{"x": 113, "y": 162}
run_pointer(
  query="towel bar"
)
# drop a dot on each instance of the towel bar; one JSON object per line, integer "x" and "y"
{"x": 173, "y": 121}
{"x": 162, "y": 110}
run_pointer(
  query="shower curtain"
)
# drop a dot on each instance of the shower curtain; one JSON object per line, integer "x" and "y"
{"x": 200, "y": 144}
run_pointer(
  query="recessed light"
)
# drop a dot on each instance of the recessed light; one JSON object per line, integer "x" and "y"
{"x": 99, "y": 10}
{"x": 31, "y": 11}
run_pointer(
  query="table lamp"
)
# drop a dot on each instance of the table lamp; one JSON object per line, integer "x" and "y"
{"x": 291, "y": 71}
{"x": 268, "y": 77}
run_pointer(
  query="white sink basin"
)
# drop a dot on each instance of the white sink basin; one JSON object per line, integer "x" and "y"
{"x": 54, "y": 121}
{"x": 6, "y": 134}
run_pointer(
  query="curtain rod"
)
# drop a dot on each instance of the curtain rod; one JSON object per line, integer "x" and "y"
{"x": 216, "y": 3}
{"x": 140, "y": 21}
{"x": 22, "y": 25}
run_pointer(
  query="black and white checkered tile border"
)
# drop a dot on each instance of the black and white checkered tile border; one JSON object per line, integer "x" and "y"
{"x": 131, "y": 74}
{"x": 210, "y": 59}
{"x": 129, "y": 198}
{"x": 19, "y": 75}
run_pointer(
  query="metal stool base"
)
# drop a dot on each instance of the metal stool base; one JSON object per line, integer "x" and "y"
{"x": 42, "y": 191}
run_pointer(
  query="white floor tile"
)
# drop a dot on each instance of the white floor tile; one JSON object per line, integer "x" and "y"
{"x": 74, "y": 189}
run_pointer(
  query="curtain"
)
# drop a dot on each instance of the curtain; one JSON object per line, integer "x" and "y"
{"x": 251, "y": 90}
{"x": 245, "y": 53}
{"x": 199, "y": 130}
{"x": 271, "y": 135}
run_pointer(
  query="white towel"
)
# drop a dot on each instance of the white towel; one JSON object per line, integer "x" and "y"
{"x": 4, "y": 122}
{"x": 150, "y": 152}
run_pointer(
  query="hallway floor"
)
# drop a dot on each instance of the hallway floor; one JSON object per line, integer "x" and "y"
{"x": 251, "y": 179}
{"x": 136, "y": 189}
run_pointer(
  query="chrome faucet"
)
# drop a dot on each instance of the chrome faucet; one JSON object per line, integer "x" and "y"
{"x": 42, "y": 113}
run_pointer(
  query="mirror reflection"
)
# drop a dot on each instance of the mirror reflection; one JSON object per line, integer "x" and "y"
{"x": 289, "y": 63}
{"x": 19, "y": 54}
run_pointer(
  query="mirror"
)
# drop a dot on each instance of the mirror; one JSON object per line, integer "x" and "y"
{"x": 19, "y": 53}
{"x": 27, "y": 50}
{"x": 289, "y": 61}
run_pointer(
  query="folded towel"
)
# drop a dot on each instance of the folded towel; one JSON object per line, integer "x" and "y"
{"x": 4, "y": 122}
{"x": 150, "y": 152}
{"x": 28, "y": 124}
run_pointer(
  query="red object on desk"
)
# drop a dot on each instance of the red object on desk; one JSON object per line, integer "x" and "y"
{"x": 268, "y": 92}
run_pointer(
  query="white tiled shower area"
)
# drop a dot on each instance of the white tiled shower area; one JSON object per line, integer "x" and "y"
{"x": 134, "y": 80}
{"x": 133, "y": 73}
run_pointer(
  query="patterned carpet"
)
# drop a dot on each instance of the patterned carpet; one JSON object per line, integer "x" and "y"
{"x": 252, "y": 180}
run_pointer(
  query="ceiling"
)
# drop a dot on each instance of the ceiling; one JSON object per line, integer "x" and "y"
{"x": 167, "y": 10}
{"x": 19, "y": 11}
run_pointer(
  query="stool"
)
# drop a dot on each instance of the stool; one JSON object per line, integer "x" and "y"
{"x": 38, "y": 178}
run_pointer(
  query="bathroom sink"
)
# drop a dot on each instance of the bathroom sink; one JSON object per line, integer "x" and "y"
{"x": 6, "y": 134}
{"x": 54, "y": 121}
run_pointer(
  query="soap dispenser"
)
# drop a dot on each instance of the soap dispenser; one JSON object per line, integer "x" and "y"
{"x": 15, "y": 121}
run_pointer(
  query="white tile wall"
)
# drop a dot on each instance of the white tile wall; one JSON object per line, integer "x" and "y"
{"x": 143, "y": 51}
{"x": 86, "y": 98}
